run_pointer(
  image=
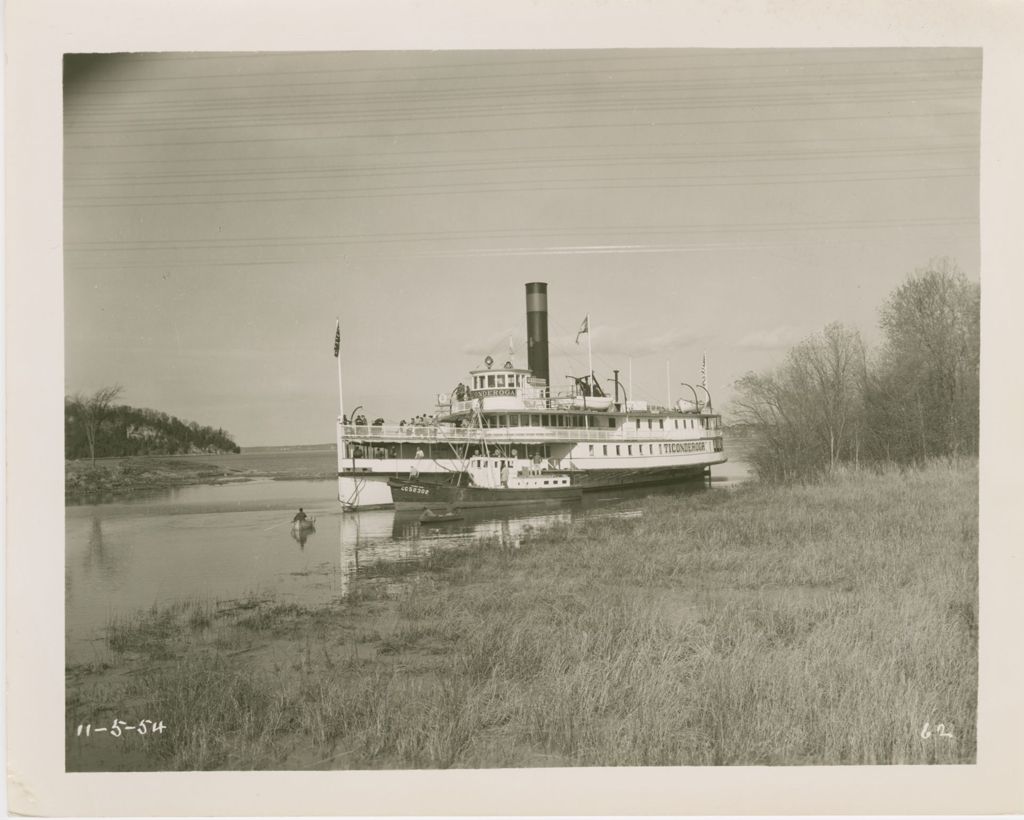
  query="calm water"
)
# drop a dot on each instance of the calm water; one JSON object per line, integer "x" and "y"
{"x": 230, "y": 541}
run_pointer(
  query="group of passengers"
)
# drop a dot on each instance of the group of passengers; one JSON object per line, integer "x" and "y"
{"x": 361, "y": 420}
{"x": 418, "y": 421}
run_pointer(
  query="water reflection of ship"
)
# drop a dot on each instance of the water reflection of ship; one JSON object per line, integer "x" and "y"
{"x": 507, "y": 526}
{"x": 377, "y": 542}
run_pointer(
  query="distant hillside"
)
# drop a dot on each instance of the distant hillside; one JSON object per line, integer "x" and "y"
{"x": 134, "y": 431}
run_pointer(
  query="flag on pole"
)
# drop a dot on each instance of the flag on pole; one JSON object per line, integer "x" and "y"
{"x": 704, "y": 370}
{"x": 337, "y": 339}
{"x": 584, "y": 328}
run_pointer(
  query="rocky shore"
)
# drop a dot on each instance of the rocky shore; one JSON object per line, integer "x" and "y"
{"x": 84, "y": 480}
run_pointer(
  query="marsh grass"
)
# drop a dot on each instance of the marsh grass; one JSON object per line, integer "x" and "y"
{"x": 817, "y": 624}
{"x": 218, "y": 716}
{"x": 155, "y": 632}
{"x": 276, "y": 618}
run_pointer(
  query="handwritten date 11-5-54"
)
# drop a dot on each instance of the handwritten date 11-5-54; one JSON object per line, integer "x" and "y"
{"x": 121, "y": 727}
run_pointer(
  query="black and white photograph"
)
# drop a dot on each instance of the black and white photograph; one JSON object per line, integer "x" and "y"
{"x": 521, "y": 409}
{"x": 518, "y": 409}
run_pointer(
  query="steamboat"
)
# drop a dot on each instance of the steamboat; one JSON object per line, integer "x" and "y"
{"x": 603, "y": 440}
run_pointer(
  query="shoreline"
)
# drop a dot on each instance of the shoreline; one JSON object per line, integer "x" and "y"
{"x": 815, "y": 624}
{"x": 112, "y": 479}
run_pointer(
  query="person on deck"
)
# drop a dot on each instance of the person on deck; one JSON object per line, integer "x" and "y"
{"x": 414, "y": 470}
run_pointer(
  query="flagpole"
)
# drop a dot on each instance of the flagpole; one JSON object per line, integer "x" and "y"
{"x": 704, "y": 373}
{"x": 590, "y": 358}
{"x": 341, "y": 404}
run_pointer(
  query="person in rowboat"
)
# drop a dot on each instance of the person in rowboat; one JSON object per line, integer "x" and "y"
{"x": 300, "y": 516}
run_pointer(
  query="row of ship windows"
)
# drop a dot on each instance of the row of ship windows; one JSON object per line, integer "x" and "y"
{"x": 499, "y": 380}
{"x": 653, "y": 449}
{"x": 503, "y": 464}
{"x": 558, "y": 420}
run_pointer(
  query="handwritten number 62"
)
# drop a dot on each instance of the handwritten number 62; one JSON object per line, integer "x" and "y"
{"x": 940, "y": 731}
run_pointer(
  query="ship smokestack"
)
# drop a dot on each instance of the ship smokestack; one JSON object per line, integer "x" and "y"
{"x": 537, "y": 329}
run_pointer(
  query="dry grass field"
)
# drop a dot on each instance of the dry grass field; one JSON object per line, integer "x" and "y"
{"x": 826, "y": 623}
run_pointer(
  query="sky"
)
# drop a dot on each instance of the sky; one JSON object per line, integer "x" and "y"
{"x": 223, "y": 211}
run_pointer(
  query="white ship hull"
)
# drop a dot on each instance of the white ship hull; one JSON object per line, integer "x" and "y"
{"x": 364, "y": 483}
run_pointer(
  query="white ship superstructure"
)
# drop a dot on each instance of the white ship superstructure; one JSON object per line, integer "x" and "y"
{"x": 512, "y": 414}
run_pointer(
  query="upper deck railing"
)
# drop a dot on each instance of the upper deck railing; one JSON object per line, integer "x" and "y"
{"x": 468, "y": 435}
{"x": 570, "y": 404}
{"x": 534, "y": 405}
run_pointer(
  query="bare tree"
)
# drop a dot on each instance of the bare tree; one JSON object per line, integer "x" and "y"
{"x": 93, "y": 411}
{"x": 929, "y": 366}
{"x": 831, "y": 369}
{"x": 808, "y": 414}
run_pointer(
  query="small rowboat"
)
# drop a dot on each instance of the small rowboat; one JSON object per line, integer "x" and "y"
{"x": 431, "y": 517}
{"x": 303, "y": 526}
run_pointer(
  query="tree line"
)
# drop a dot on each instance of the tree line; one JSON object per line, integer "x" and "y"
{"x": 834, "y": 402}
{"x": 94, "y": 427}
